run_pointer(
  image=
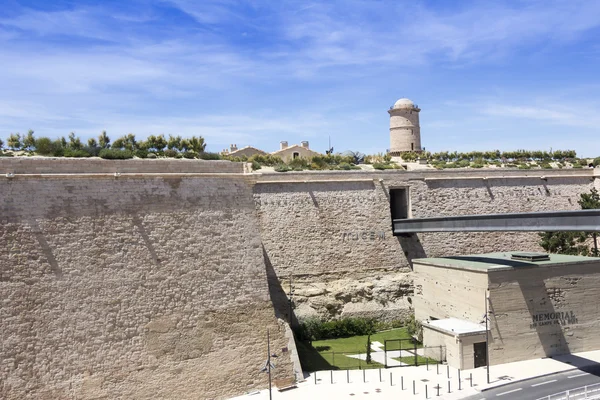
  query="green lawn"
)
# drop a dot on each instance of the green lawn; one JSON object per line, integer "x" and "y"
{"x": 410, "y": 360}
{"x": 359, "y": 343}
{"x": 329, "y": 354}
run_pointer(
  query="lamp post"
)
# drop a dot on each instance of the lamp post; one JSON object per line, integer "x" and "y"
{"x": 487, "y": 338}
{"x": 268, "y": 364}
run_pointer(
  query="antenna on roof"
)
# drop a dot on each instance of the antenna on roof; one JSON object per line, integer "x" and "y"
{"x": 330, "y": 151}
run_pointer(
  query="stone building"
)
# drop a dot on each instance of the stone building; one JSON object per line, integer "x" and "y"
{"x": 538, "y": 305}
{"x": 405, "y": 131}
{"x": 288, "y": 153}
{"x": 247, "y": 151}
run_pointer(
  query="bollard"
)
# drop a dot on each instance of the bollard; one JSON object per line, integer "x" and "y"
{"x": 364, "y": 377}
{"x": 391, "y": 383}
{"x": 315, "y": 377}
{"x": 448, "y": 386}
{"x": 425, "y": 390}
{"x": 427, "y": 363}
{"x": 331, "y": 376}
{"x": 448, "y": 371}
{"x": 379, "y": 374}
{"x": 471, "y": 379}
{"x": 437, "y": 368}
{"x": 438, "y": 389}
{"x": 459, "y": 385}
{"x": 348, "y": 376}
{"x": 414, "y": 387}
{"x": 401, "y": 382}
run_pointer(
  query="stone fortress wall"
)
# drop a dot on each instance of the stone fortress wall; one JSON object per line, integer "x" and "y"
{"x": 330, "y": 232}
{"x": 134, "y": 287}
{"x": 162, "y": 279}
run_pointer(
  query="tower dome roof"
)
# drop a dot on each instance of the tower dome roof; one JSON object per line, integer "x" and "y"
{"x": 404, "y": 103}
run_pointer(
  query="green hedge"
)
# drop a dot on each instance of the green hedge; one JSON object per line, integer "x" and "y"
{"x": 315, "y": 329}
{"x": 115, "y": 154}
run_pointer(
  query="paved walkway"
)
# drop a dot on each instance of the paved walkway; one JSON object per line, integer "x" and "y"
{"x": 392, "y": 383}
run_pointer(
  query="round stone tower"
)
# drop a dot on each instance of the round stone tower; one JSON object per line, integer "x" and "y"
{"x": 405, "y": 132}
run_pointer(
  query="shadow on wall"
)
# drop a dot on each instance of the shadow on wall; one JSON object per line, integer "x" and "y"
{"x": 412, "y": 247}
{"x": 280, "y": 300}
{"x": 552, "y": 337}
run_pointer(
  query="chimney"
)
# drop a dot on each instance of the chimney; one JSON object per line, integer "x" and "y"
{"x": 304, "y": 144}
{"x": 283, "y": 145}
{"x": 232, "y": 148}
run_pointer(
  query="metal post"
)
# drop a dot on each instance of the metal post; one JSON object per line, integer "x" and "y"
{"x": 348, "y": 376}
{"x": 269, "y": 362}
{"x": 331, "y": 376}
{"x": 385, "y": 352}
{"x": 379, "y": 374}
{"x": 427, "y": 363}
{"x": 471, "y": 378}
{"x": 437, "y": 368}
{"x": 438, "y": 389}
{"x": 391, "y": 382}
{"x": 401, "y": 382}
{"x": 364, "y": 377}
{"x": 448, "y": 371}
{"x": 416, "y": 359}
{"x": 315, "y": 377}
{"x": 426, "y": 391}
{"x": 414, "y": 387}
{"x": 487, "y": 340}
{"x": 448, "y": 386}
{"x": 459, "y": 385}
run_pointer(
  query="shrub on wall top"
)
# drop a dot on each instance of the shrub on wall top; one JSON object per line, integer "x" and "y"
{"x": 115, "y": 154}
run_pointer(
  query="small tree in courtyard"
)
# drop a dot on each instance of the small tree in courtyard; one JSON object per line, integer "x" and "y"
{"x": 368, "y": 358}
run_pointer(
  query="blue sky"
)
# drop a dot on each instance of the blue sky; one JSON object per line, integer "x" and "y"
{"x": 487, "y": 74}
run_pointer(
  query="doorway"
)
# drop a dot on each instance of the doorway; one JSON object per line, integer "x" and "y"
{"x": 480, "y": 354}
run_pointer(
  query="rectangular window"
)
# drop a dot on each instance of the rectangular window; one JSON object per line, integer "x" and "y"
{"x": 399, "y": 203}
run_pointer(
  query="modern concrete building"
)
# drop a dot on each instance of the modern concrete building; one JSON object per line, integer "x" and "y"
{"x": 405, "y": 131}
{"x": 538, "y": 305}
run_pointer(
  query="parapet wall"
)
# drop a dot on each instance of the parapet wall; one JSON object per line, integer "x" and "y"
{"x": 62, "y": 165}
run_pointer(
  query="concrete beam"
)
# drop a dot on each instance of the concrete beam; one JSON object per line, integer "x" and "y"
{"x": 551, "y": 221}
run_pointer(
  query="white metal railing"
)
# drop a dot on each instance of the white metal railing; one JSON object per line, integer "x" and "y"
{"x": 589, "y": 392}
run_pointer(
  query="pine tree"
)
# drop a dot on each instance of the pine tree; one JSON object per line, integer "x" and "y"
{"x": 104, "y": 140}
{"x": 29, "y": 141}
{"x": 14, "y": 141}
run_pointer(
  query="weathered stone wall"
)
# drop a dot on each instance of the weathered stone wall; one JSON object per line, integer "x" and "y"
{"x": 330, "y": 232}
{"x": 132, "y": 288}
